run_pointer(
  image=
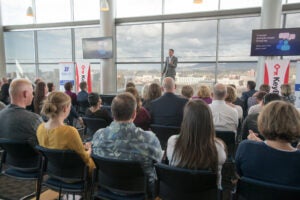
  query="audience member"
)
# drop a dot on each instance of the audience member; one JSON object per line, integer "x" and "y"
{"x": 82, "y": 97}
{"x": 238, "y": 100}
{"x": 196, "y": 147}
{"x": 68, "y": 90}
{"x": 123, "y": 140}
{"x": 204, "y": 94}
{"x": 286, "y": 93}
{"x": 55, "y": 134}
{"x": 258, "y": 97}
{"x": 130, "y": 84}
{"x": 250, "y": 122}
{"x": 252, "y": 100}
{"x": 225, "y": 117}
{"x": 95, "y": 111}
{"x": 154, "y": 92}
{"x": 230, "y": 98}
{"x": 5, "y": 91}
{"x": 168, "y": 109}
{"x": 187, "y": 91}
{"x": 15, "y": 121}
{"x": 40, "y": 95}
{"x": 51, "y": 87}
{"x": 144, "y": 92}
{"x": 245, "y": 95}
{"x": 274, "y": 160}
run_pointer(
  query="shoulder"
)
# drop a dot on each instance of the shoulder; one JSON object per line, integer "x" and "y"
{"x": 173, "y": 139}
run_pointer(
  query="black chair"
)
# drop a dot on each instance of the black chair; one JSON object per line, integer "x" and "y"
{"x": 248, "y": 189}
{"x": 228, "y": 138}
{"x": 82, "y": 107}
{"x": 92, "y": 125}
{"x": 107, "y": 99}
{"x": 66, "y": 171}
{"x": 163, "y": 133}
{"x": 178, "y": 183}
{"x": 120, "y": 179}
{"x": 21, "y": 162}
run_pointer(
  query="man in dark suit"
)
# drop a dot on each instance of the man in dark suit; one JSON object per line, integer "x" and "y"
{"x": 245, "y": 95}
{"x": 170, "y": 65}
{"x": 168, "y": 109}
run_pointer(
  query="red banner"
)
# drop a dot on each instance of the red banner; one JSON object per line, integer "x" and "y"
{"x": 83, "y": 73}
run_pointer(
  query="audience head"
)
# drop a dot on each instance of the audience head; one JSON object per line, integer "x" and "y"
{"x": 68, "y": 86}
{"x": 270, "y": 97}
{"x": 94, "y": 99}
{"x": 123, "y": 107}
{"x": 219, "y": 92}
{"x": 21, "y": 92}
{"x": 251, "y": 85}
{"x": 83, "y": 86}
{"x": 40, "y": 93}
{"x": 195, "y": 147}
{"x": 37, "y": 80}
{"x": 55, "y": 104}
{"x": 169, "y": 84}
{"x": 204, "y": 92}
{"x": 4, "y": 80}
{"x": 232, "y": 85}
{"x": 259, "y": 96}
{"x": 51, "y": 87}
{"x": 154, "y": 91}
{"x": 135, "y": 93}
{"x": 187, "y": 91}
{"x": 279, "y": 120}
{"x": 231, "y": 94}
{"x": 130, "y": 84}
{"x": 145, "y": 91}
{"x": 265, "y": 88}
{"x": 286, "y": 89}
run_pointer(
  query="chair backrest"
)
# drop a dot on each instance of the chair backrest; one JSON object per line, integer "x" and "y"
{"x": 163, "y": 133}
{"x": 179, "y": 183}
{"x": 249, "y": 188}
{"x": 123, "y": 176}
{"x": 94, "y": 124}
{"x": 20, "y": 155}
{"x": 228, "y": 138}
{"x": 107, "y": 99}
{"x": 63, "y": 164}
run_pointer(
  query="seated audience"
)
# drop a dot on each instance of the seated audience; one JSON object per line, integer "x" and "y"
{"x": 224, "y": 116}
{"x": 274, "y": 160}
{"x": 95, "y": 110}
{"x": 123, "y": 140}
{"x": 286, "y": 93}
{"x": 196, "y": 147}
{"x": 82, "y": 97}
{"x": 51, "y": 87}
{"x": 187, "y": 91}
{"x": 4, "y": 91}
{"x": 259, "y": 98}
{"x": 16, "y": 122}
{"x": 144, "y": 92}
{"x": 68, "y": 90}
{"x": 55, "y": 134}
{"x": 154, "y": 92}
{"x": 168, "y": 109}
{"x": 245, "y": 95}
{"x": 130, "y": 84}
{"x": 230, "y": 98}
{"x": 238, "y": 100}
{"x": 204, "y": 94}
{"x": 142, "y": 118}
{"x": 252, "y": 100}
{"x": 250, "y": 122}
{"x": 40, "y": 95}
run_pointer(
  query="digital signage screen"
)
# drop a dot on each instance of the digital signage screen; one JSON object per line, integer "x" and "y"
{"x": 97, "y": 48}
{"x": 275, "y": 42}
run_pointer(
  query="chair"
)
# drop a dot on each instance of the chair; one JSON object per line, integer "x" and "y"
{"x": 93, "y": 124}
{"x": 21, "y": 161}
{"x": 66, "y": 171}
{"x": 178, "y": 183}
{"x": 107, "y": 99}
{"x": 120, "y": 179}
{"x": 248, "y": 189}
{"x": 228, "y": 138}
{"x": 163, "y": 133}
{"x": 82, "y": 107}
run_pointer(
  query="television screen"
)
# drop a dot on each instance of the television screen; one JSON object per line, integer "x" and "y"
{"x": 275, "y": 42}
{"x": 97, "y": 48}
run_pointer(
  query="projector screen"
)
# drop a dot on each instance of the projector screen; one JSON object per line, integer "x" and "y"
{"x": 275, "y": 42}
{"x": 97, "y": 48}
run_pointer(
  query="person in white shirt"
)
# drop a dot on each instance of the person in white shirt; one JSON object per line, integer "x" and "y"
{"x": 225, "y": 117}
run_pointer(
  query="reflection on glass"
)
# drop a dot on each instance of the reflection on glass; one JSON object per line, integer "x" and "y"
{"x": 19, "y": 46}
{"x": 235, "y": 38}
{"x": 55, "y": 46}
{"x": 233, "y": 4}
{"x": 86, "y": 10}
{"x": 133, "y": 8}
{"x": 180, "y": 6}
{"x": 14, "y": 12}
{"x": 139, "y": 43}
{"x": 21, "y": 71}
{"x": 192, "y": 41}
{"x": 52, "y": 11}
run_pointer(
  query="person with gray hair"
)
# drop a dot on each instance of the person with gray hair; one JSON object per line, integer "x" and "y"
{"x": 225, "y": 117}
{"x": 168, "y": 109}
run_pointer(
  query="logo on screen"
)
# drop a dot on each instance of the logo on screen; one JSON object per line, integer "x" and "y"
{"x": 283, "y": 42}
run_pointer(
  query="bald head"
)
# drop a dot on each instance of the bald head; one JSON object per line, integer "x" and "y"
{"x": 219, "y": 92}
{"x": 169, "y": 84}
{"x": 20, "y": 92}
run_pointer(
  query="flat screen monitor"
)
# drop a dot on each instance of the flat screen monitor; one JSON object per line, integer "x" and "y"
{"x": 275, "y": 42}
{"x": 97, "y": 48}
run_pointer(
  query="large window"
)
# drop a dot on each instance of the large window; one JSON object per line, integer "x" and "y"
{"x": 19, "y": 70}
{"x": 180, "y": 6}
{"x": 13, "y": 12}
{"x": 52, "y": 11}
{"x": 134, "y": 8}
{"x": 86, "y": 10}
{"x": 233, "y": 4}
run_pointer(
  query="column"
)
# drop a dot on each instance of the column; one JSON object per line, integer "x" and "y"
{"x": 108, "y": 68}
{"x": 270, "y": 18}
{"x": 2, "y": 50}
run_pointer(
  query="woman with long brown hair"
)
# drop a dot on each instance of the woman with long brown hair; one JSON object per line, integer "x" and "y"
{"x": 40, "y": 94}
{"x": 196, "y": 147}
{"x": 154, "y": 92}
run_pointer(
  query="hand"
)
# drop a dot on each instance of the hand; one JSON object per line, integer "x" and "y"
{"x": 88, "y": 147}
{"x": 80, "y": 121}
{"x": 253, "y": 136}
